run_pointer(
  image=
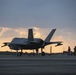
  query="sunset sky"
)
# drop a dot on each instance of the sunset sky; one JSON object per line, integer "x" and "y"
{"x": 17, "y": 16}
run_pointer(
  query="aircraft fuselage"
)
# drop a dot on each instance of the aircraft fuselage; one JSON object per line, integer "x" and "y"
{"x": 23, "y": 43}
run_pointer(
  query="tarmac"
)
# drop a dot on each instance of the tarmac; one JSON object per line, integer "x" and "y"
{"x": 37, "y": 65}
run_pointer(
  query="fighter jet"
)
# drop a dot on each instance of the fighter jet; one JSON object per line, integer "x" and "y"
{"x": 31, "y": 42}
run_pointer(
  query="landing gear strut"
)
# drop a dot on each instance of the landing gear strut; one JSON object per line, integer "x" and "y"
{"x": 42, "y": 52}
{"x": 37, "y": 51}
{"x": 19, "y": 53}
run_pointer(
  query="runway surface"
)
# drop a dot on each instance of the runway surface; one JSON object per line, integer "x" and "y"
{"x": 37, "y": 65}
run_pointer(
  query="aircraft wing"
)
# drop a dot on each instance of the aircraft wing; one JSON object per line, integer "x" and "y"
{"x": 57, "y": 43}
{"x": 5, "y": 44}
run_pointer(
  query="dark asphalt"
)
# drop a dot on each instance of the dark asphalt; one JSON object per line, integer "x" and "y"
{"x": 30, "y": 65}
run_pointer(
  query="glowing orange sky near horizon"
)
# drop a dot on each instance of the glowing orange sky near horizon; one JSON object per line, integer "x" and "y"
{"x": 38, "y": 34}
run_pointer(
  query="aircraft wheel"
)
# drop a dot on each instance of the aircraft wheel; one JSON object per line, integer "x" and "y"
{"x": 43, "y": 53}
{"x": 20, "y": 53}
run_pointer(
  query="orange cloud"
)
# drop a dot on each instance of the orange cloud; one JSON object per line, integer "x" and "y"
{"x": 2, "y": 30}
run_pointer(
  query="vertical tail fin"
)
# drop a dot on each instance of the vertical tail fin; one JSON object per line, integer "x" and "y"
{"x": 48, "y": 38}
{"x": 30, "y": 35}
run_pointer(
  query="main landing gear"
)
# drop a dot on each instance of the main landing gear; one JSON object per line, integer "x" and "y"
{"x": 42, "y": 52}
{"x": 19, "y": 53}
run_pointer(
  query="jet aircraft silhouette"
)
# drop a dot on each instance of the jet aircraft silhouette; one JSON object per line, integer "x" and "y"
{"x": 31, "y": 42}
